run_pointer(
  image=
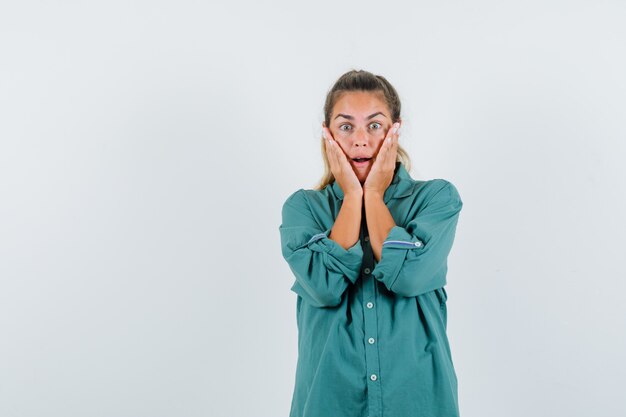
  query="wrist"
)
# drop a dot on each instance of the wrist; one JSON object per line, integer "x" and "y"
{"x": 356, "y": 196}
{"x": 372, "y": 194}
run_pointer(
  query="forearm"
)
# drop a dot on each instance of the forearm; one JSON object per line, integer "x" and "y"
{"x": 379, "y": 221}
{"x": 347, "y": 225}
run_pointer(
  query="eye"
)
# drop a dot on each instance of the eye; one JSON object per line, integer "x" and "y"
{"x": 342, "y": 126}
{"x": 377, "y": 124}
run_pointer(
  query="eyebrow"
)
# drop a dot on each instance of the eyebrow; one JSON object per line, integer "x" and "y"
{"x": 347, "y": 116}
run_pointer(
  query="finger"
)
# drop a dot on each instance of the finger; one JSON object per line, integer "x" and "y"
{"x": 393, "y": 154}
{"x": 380, "y": 155}
{"x": 396, "y": 142}
{"x": 386, "y": 153}
{"x": 336, "y": 155}
{"x": 330, "y": 154}
{"x": 393, "y": 132}
{"x": 332, "y": 157}
{"x": 333, "y": 147}
{"x": 342, "y": 158}
{"x": 395, "y": 146}
{"x": 388, "y": 143}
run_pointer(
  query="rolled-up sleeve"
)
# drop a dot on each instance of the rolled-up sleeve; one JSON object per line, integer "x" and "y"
{"x": 414, "y": 257}
{"x": 323, "y": 269}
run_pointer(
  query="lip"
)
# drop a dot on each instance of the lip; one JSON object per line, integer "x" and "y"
{"x": 361, "y": 164}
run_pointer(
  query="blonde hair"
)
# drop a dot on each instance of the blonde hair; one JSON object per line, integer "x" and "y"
{"x": 360, "y": 80}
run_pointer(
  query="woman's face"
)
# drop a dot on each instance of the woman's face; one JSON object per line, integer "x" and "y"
{"x": 359, "y": 123}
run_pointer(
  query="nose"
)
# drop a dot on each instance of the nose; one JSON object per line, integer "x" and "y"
{"x": 360, "y": 138}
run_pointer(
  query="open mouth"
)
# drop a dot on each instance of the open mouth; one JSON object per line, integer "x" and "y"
{"x": 361, "y": 159}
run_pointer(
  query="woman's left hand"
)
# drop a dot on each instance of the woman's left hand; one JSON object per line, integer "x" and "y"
{"x": 381, "y": 174}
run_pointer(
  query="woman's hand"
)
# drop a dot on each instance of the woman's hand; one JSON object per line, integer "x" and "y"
{"x": 381, "y": 174}
{"x": 340, "y": 166}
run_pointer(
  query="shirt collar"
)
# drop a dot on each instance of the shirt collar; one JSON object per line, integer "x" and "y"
{"x": 401, "y": 185}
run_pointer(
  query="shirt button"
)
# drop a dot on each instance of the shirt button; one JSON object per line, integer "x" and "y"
{"x": 367, "y": 238}
{"x": 371, "y": 340}
{"x": 370, "y": 304}
{"x": 366, "y": 270}
{"x": 373, "y": 377}
{"x": 418, "y": 244}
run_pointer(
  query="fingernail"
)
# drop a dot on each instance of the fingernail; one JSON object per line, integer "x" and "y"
{"x": 323, "y": 134}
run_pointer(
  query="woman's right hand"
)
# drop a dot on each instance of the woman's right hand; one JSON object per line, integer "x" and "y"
{"x": 340, "y": 166}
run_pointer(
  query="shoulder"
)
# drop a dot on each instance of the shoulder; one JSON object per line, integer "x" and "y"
{"x": 306, "y": 199}
{"x": 303, "y": 195}
{"x": 437, "y": 189}
{"x": 294, "y": 196}
{"x": 295, "y": 201}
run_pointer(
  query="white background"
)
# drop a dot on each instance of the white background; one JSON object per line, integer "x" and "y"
{"x": 146, "y": 148}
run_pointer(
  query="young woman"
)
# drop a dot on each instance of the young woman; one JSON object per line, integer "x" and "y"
{"x": 368, "y": 248}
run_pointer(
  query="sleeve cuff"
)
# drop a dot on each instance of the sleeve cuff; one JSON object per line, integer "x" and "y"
{"x": 394, "y": 251}
{"x": 346, "y": 261}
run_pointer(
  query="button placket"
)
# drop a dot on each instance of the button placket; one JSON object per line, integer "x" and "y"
{"x": 370, "y": 317}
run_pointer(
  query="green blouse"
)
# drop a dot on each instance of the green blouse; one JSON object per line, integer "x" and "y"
{"x": 372, "y": 335}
